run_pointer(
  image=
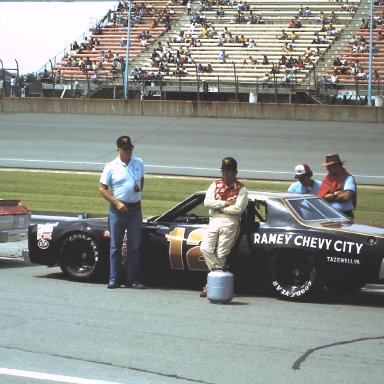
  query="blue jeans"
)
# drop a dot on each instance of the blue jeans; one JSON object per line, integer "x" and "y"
{"x": 119, "y": 222}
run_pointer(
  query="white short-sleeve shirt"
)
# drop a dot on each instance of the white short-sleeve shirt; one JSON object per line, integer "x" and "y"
{"x": 121, "y": 178}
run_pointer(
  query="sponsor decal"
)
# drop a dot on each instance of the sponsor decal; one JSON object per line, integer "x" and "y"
{"x": 43, "y": 244}
{"x": 44, "y": 234}
{"x": 343, "y": 260}
{"x": 308, "y": 242}
{"x": 155, "y": 226}
{"x": 304, "y": 289}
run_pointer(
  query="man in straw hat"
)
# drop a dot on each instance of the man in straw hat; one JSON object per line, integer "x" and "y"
{"x": 339, "y": 187}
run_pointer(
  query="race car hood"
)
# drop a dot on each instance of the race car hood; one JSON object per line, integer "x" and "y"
{"x": 351, "y": 227}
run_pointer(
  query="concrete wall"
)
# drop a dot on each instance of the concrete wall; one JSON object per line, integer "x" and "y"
{"x": 307, "y": 112}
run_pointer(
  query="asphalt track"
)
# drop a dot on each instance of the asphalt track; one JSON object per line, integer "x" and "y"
{"x": 265, "y": 149}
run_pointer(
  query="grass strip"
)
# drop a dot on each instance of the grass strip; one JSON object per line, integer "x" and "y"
{"x": 77, "y": 192}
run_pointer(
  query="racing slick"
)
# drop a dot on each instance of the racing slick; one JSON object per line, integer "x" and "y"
{"x": 227, "y": 199}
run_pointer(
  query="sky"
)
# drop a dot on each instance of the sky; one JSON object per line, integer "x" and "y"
{"x": 34, "y": 32}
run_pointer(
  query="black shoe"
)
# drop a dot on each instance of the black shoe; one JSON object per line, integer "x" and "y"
{"x": 136, "y": 286}
{"x": 113, "y": 285}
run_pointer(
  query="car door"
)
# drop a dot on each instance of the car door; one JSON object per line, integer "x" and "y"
{"x": 173, "y": 240}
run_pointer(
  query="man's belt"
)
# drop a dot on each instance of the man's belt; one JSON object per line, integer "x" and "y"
{"x": 132, "y": 204}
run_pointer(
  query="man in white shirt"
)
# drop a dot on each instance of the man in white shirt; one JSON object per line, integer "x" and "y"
{"x": 121, "y": 184}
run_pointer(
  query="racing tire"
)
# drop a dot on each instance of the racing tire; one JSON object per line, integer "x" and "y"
{"x": 79, "y": 256}
{"x": 295, "y": 276}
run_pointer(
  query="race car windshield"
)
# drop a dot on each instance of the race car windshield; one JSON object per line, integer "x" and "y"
{"x": 314, "y": 210}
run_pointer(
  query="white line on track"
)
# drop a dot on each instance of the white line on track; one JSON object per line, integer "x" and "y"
{"x": 89, "y": 163}
{"x": 51, "y": 377}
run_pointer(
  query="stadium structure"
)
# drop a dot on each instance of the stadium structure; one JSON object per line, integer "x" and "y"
{"x": 312, "y": 51}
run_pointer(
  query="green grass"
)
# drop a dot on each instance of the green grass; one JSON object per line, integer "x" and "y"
{"x": 78, "y": 193}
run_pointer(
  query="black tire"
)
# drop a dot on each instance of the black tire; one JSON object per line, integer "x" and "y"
{"x": 79, "y": 256}
{"x": 295, "y": 276}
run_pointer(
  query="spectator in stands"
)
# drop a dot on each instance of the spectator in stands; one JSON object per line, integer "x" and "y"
{"x": 282, "y": 36}
{"x": 307, "y": 13}
{"x": 274, "y": 70}
{"x": 265, "y": 60}
{"x": 205, "y": 87}
{"x": 222, "y": 56}
{"x": 13, "y": 86}
{"x": 293, "y": 36}
{"x": 76, "y": 89}
{"x": 208, "y": 68}
{"x": 285, "y": 48}
{"x": 353, "y": 40}
{"x": 364, "y": 24}
{"x": 58, "y": 76}
{"x": 123, "y": 41}
{"x": 316, "y": 39}
{"x": 334, "y": 80}
{"x": 332, "y": 31}
{"x": 265, "y": 80}
{"x": 222, "y": 40}
{"x": 75, "y": 46}
{"x": 282, "y": 61}
{"x": 220, "y": 13}
{"x": 361, "y": 75}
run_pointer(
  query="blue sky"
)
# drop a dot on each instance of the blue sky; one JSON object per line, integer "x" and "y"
{"x": 34, "y": 32}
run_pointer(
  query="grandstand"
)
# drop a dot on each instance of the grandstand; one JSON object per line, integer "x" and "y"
{"x": 226, "y": 49}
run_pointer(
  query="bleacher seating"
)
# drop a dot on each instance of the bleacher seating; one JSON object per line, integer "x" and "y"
{"x": 347, "y": 74}
{"x": 275, "y": 16}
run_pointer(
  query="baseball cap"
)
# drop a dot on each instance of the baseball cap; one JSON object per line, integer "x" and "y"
{"x": 229, "y": 163}
{"x": 124, "y": 142}
{"x": 302, "y": 169}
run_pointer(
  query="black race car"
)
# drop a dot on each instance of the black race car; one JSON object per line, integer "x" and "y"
{"x": 297, "y": 243}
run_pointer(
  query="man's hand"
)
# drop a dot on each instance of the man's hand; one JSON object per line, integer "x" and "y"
{"x": 121, "y": 207}
{"x": 229, "y": 202}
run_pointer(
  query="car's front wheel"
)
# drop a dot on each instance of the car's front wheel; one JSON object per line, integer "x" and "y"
{"x": 79, "y": 256}
{"x": 295, "y": 276}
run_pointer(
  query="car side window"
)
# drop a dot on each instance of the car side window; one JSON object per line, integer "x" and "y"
{"x": 196, "y": 215}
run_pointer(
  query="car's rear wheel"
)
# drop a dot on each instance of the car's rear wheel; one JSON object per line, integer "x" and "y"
{"x": 295, "y": 276}
{"x": 79, "y": 256}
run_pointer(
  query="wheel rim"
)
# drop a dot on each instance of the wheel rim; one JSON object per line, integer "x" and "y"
{"x": 293, "y": 275}
{"x": 79, "y": 256}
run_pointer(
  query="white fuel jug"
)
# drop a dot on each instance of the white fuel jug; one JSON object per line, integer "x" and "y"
{"x": 220, "y": 286}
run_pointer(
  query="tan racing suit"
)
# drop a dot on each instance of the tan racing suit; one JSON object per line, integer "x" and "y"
{"x": 224, "y": 223}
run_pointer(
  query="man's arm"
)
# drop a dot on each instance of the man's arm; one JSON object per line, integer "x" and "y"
{"x": 210, "y": 200}
{"x": 104, "y": 191}
{"x": 239, "y": 206}
{"x": 142, "y": 184}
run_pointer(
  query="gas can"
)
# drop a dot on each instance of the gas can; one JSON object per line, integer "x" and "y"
{"x": 220, "y": 286}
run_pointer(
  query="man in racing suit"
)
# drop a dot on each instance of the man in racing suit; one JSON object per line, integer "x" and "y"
{"x": 227, "y": 199}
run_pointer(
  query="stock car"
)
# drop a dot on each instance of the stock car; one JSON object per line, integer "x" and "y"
{"x": 297, "y": 244}
{"x": 15, "y": 219}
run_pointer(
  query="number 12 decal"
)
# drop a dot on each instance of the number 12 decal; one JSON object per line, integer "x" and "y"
{"x": 191, "y": 256}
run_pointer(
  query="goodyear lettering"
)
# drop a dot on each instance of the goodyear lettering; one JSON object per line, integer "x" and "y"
{"x": 305, "y": 288}
{"x": 340, "y": 246}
